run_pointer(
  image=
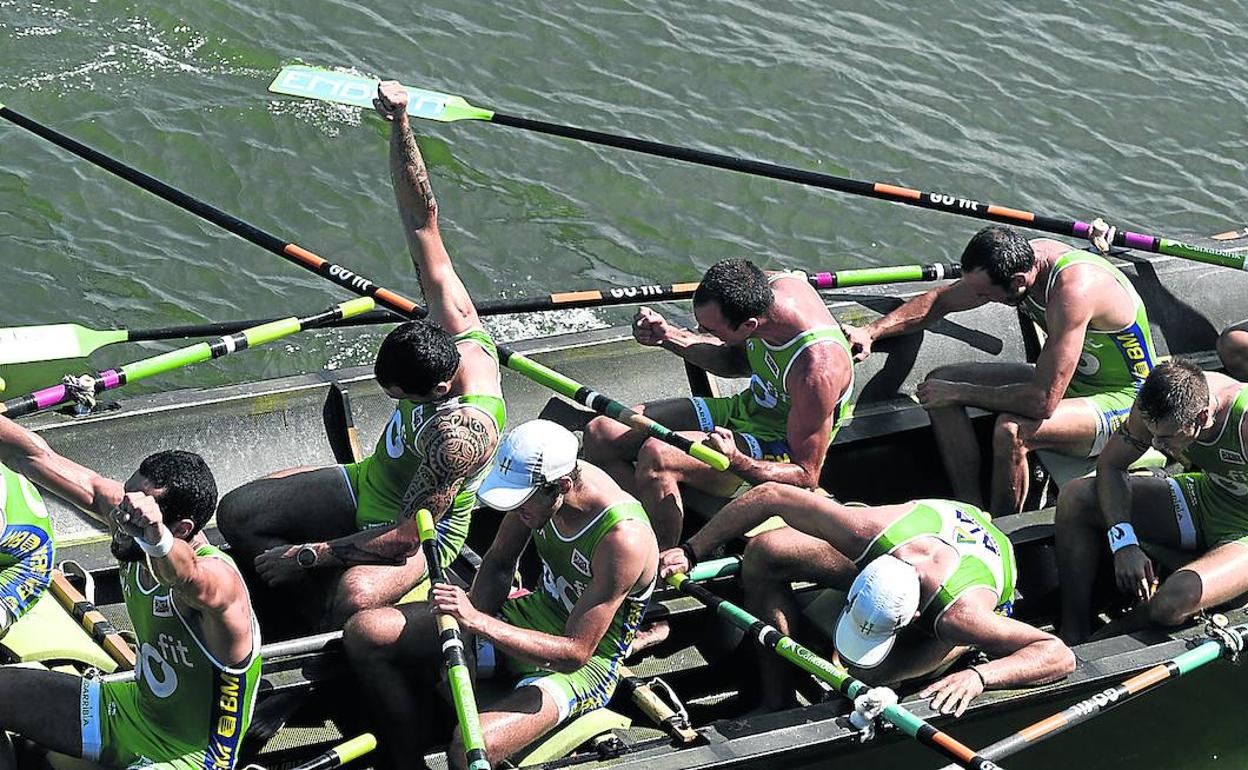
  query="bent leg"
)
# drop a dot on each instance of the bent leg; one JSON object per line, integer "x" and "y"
{"x": 1233, "y": 350}
{"x": 1070, "y": 430}
{"x": 296, "y": 505}
{"x": 1215, "y": 578}
{"x": 509, "y": 724}
{"x": 367, "y": 586}
{"x": 772, "y": 562}
{"x": 43, "y": 706}
{"x": 661, "y": 469}
{"x": 613, "y": 446}
{"x": 955, "y": 433}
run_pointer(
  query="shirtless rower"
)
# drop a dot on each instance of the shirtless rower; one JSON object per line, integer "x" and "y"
{"x": 773, "y": 328}
{"x": 346, "y": 536}
{"x": 1097, "y": 352}
{"x": 191, "y": 700}
{"x": 1184, "y": 413}
{"x": 563, "y": 643}
{"x": 927, "y": 581}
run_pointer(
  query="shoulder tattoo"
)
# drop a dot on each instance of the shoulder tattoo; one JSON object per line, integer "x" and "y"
{"x": 453, "y": 447}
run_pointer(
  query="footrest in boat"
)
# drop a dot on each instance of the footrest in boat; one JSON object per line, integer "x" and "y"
{"x": 566, "y": 738}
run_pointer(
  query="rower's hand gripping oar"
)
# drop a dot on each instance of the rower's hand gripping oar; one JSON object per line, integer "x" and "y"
{"x": 453, "y": 653}
{"x": 354, "y": 282}
{"x": 345, "y": 88}
{"x": 88, "y": 387}
{"x": 768, "y": 637}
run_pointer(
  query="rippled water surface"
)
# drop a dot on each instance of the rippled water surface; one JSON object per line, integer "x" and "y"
{"x": 1131, "y": 110}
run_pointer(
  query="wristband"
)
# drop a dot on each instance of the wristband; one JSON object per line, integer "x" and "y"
{"x": 978, "y": 673}
{"x": 690, "y": 556}
{"x": 160, "y": 549}
{"x": 1120, "y": 536}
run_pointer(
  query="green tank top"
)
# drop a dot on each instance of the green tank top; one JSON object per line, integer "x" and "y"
{"x": 1224, "y": 460}
{"x": 1111, "y": 360}
{"x": 567, "y": 567}
{"x": 389, "y": 472}
{"x": 185, "y": 695}
{"x": 768, "y": 405}
{"x": 27, "y": 550}
{"x": 986, "y": 556}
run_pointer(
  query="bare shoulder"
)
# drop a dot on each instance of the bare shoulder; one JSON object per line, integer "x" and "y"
{"x": 458, "y": 442}
{"x": 1044, "y": 247}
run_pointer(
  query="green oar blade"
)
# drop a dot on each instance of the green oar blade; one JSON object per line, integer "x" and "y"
{"x": 26, "y": 344}
{"x": 357, "y": 90}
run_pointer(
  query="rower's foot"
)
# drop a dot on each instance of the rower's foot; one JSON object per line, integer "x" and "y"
{"x": 649, "y": 636}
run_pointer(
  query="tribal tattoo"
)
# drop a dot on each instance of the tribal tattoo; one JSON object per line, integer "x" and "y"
{"x": 454, "y": 446}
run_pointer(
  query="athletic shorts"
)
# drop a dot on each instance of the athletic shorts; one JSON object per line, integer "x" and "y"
{"x": 1111, "y": 409}
{"x": 115, "y": 733}
{"x": 729, "y": 412}
{"x": 589, "y": 687}
{"x": 1208, "y": 515}
{"x": 372, "y": 511}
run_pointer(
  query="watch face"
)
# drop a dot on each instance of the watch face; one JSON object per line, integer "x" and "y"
{"x": 306, "y": 556}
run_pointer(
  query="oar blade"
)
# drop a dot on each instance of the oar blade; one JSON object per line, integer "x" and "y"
{"x": 28, "y": 344}
{"x": 358, "y": 91}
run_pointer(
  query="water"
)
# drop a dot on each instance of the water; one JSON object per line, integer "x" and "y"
{"x": 1073, "y": 109}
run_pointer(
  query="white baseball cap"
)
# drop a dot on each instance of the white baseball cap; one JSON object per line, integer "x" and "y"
{"x": 535, "y": 453}
{"x": 882, "y": 600}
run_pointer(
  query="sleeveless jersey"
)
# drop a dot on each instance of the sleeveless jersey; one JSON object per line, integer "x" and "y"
{"x": 26, "y": 544}
{"x": 185, "y": 695}
{"x": 567, "y": 566}
{"x": 1111, "y": 360}
{"x": 986, "y": 556}
{"x": 768, "y": 408}
{"x": 1224, "y": 460}
{"x": 389, "y": 471}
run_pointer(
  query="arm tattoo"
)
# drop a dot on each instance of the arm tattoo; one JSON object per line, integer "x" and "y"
{"x": 409, "y": 170}
{"x": 353, "y": 554}
{"x": 1143, "y": 446}
{"x": 454, "y": 447}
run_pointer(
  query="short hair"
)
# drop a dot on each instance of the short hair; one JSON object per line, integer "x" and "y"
{"x": 190, "y": 491}
{"x": 739, "y": 287}
{"x": 416, "y": 356}
{"x": 999, "y": 251}
{"x": 1175, "y": 389}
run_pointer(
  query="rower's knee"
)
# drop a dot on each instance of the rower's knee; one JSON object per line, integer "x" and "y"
{"x": 1076, "y": 503}
{"x": 356, "y": 595}
{"x": 654, "y": 461}
{"x": 234, "y": 516}
{"x": 372, "y": 634}
{"x": 764, "y": 557}
{"x": 1011, "y": 434}
{"x": 600, "y": 436}
{"x": 1233, "y": 349}
{"x": 1177, "y": 600}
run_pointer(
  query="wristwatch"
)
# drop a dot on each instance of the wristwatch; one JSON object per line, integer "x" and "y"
{"x": 306, "y": 556}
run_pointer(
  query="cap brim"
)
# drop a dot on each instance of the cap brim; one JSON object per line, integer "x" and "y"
{"x": 859, "y": 650}
{"x": 501, "y": 496}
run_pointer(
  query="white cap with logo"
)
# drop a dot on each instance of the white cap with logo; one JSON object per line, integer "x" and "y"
{"x": 882, "y": 600}
{"x": 535, "y": 453}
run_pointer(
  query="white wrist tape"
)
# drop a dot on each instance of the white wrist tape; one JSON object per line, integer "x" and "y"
{"x": 1120, "y": 536}
{"x": 160, "y": 549}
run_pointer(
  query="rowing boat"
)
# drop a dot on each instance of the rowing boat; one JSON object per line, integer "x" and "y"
{"x": 884, "y": 455}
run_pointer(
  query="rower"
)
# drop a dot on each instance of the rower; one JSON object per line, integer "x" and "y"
{"x": 1097, "y": 351}
{"x": 773, "y": 328}
{"x": 345, "y": 536}
{"x": 1233, "y": 349}
{"x": 1184, "y": 413}
{"x": 563, "y": 643}
{"x": 928, "y": 581}
{"x": 27, "y": 547}
{"x": 191, "y": 700}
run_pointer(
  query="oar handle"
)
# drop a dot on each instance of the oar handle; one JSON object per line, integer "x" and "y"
{"x": 341, "y": 754}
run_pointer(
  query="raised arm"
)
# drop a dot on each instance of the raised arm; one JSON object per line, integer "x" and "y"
{"x": 449, "y": 304}
{"x": 454, "y": 448}
{"x": 28, "y": 454}
{"x": 622, "y": 559}
{"x": 917, "y": 313}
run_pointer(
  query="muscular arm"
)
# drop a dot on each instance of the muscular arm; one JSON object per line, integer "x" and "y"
{"x": 924, "y": 310}
{"x": 455, "y": 446}
{"x": 1113, "y": 479}
{"x": 707, "y": 352}
{"x": 208, "y": 584}
{"x": 29, "y": 455}
{"x": 816, "y": 384}
{"x": 621, "y": 559}
{"x": 1021, "y": 654}
{"x": 493, "y": 580}
{"x": 448, "y": 301}
{"x": 1067, "y": 316}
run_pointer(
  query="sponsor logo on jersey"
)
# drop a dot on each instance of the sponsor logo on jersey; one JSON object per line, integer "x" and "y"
{"x": 580, "y": 562}
{"x": 226, "y": 724}
{"x": 1227, "y": 456}
{"x": 162, "y": 606}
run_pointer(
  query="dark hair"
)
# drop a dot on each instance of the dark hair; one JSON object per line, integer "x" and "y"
{"x": 1175, "y": 389}
{"x": 739, "y": 287}
{"x": 999, "y": 251}
{"x": 190, "y": 491}
{"x": 416, "y": 356}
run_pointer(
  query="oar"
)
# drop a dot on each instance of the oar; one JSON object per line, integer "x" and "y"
{"x": 27, "y": 344}
{"x": 1231, "y": 235}
{"x": 453, "y": 654}
{"x": 768, "y": 637}
{"x": 102, "y": 632}
{"x": 348, "y": 279}
{"x": 335, "y": 757}
{"x": 345, "y": 88}
{"x": 1103, "y": 701}
{"x": 56, "y": 395}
